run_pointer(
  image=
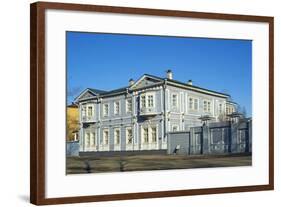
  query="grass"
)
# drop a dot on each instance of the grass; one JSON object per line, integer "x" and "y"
{"x": 77, "y": 165}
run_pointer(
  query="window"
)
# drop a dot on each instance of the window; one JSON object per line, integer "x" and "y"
{"x": 129, "y": 105}
{"x": 143, "y": 101}
{"x": 207, "y": 106}
{"x": 175, "y": 128}
{"x": 129, "y": 136}
{"x": 117, "y": 136}
{"x": 83, "y": 110}
{"x": 227, "y": 110}
{"x": 90, "y": 111}
{"x": 196, "y": 104}
{"x": 193, "y": 104}
{"x": 220, "y": 108}
{"x": 145, "y": 135}
{"x": 116, "y": 107}
{"x": 88, "y": 141}
{"x": 93, "y": 139}
{"x": 174, "y": 100}
{"x": 190, "y": 103}
{"x": 153, "y": 134}
{"x": 105, "y": 137}
{"x": 105, "y": 109}
{"x": 150, "y": 101}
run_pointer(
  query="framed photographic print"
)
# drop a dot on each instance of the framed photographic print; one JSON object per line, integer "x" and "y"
{"x": 130, "y": 103}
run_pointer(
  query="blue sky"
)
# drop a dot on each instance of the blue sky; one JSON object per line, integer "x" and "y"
{"x": 108, "y": 61}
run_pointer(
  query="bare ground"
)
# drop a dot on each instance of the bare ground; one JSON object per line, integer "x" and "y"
{"x": 77, "y": 165}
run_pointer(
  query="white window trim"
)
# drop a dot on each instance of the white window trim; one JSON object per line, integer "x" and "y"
{"x": 127, "y": 109}
{"x": 208, "y": 101}
{"x": 83, "y": 110}
{"x": 193, "y": 103}
{"x": 115, "y": 111}
{"x": 87, "y": 140}
{"x": 146, "y": 94}
{"x": 149, "y": 145}
{"x": 142, "y": 135}
{"x": 153, "y": 99}
{"x": 115, "y": 143}
{"x": 150, "y": 134}
{"x": 177, "y": 100}
{"x": 103, "y": 110}
{"x": 103, "y": 132}
{"x": 87, "y": 109}
{"x": 127, "y": 136}
{"x": 143, "y": 95}
{"x": 197, "y": 104}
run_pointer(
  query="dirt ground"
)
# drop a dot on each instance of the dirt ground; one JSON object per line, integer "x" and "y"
{"x": 76, "y": 165}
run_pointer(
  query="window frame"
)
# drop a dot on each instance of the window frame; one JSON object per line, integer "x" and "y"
{"x": 208, "y": 106}
{"x": 150, "y": 99}
{"x": 92, "y": 110}
{"x": 153, "y": 127}
{"x": 177, "y": 100}
{"x": 118, "y": 129}
{"x": 103, "y": 110}
{"x": 145, "y": 129}
{"x": 93, "y": 136}
{"x": 194, "y": 100}
{"x": 117, "y": 103}
{"x": 103, "y": 136}
{"x": 145, "y": 102}
{"x": 127, "y": 135}
{"x": 127, "y": 105}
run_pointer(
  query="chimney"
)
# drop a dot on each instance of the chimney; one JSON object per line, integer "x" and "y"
{"x": 131, "y": 82}
{"x": 189, "y": 82}
{"x": 169, "y": 74}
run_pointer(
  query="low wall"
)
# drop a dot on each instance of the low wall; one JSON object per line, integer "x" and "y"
{"x": 214, "y": 138}
{"x": 123, "y": 153}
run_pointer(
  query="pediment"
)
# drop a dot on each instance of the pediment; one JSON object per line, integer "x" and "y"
{"x": 86, "y": 94}
{"x": 146, "y": 81}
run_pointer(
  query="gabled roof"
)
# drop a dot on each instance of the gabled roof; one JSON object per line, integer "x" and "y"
{"x": 146, "y": 76}
{"x": 158, "y": 80}
{"x": 96, "y": 91}
{"x": 181, "y": 83}
{"x": 197, "y": 88}
{"x": 118, "y": 90}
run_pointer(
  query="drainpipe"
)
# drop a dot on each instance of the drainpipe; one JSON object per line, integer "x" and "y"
{"x": 164, "y": 106}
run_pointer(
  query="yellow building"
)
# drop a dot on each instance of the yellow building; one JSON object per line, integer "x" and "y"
{"x": 72, "y": 123}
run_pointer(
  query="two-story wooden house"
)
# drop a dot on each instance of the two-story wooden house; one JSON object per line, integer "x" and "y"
{"x": 139, "y": 116}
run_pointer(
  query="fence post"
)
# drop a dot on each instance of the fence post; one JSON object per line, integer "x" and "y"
{"x": 249, "y": 137}
{"x": 205, "y": 140}
{"x": 234, "y": 135}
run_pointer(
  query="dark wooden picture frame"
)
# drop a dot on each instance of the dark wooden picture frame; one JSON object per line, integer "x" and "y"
{"x": 38, "y": 98}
